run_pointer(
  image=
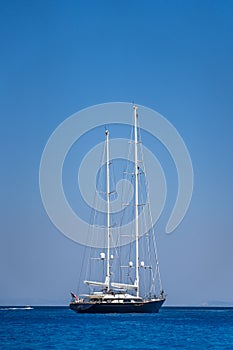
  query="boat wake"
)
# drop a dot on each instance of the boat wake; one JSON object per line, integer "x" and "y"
{"x": 16, "y": 308}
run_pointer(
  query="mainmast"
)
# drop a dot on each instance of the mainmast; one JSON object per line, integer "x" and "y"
{"x": 136, "y": 173}
{"x": 107, "y": 279}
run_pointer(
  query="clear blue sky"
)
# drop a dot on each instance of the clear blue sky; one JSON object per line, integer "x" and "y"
{"x": 57, "y": 57}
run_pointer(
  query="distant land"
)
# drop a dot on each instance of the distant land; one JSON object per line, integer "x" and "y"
{"x": 217, "y": 303}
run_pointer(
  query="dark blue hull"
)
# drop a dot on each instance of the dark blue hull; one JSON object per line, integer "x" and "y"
{"x": 105, "y": 308}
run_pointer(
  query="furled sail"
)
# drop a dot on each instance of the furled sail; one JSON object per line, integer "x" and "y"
{"x": 124, "y": 286}
{"x": 97, "y": 284}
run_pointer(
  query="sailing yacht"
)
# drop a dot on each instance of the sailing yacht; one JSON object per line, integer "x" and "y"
{"x": 121, "y": 297}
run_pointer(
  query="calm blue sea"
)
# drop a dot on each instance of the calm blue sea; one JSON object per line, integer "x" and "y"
{"x": 61, "y": 328}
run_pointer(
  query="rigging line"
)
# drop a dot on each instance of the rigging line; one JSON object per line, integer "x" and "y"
{"x": 155, "y": 247}
{"x": 125, "y": 210}
{"x": 151, "y": 221}
{"x": 156, "y": 251}
{"x": 147, "y": 239}
{"x": 89, "y": 249}
{"x": 111, "y": 162}
{"x": 147, "y": 242}
{"x": 146, "y": 236}
{"x": 131, "y": 245}
{"x": 145, "y": 221}
{"x": 91, "y": 232}
{"x": 82, "y": 268}
{"x": 91, "y": 229}
{"x": 126, "y": 178}
{"x": 113, "y": 240}
{"x": 156, "y": 260}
